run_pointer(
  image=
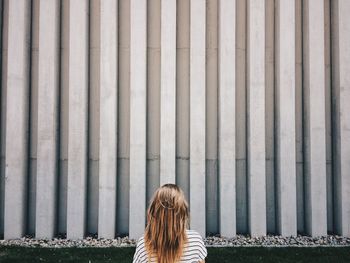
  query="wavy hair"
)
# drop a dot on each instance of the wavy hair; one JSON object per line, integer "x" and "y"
{"x": 167, "y": 220}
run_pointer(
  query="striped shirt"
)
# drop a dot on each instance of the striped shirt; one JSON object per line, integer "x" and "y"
{"x": 194, "y": 249}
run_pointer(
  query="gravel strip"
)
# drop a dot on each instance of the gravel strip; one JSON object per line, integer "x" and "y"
{"x": 211, "y": 241}
{"x": 278, "y": 241}
{"x": 60, "y": 242}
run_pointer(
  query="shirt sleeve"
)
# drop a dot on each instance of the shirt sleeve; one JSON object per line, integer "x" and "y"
{"x": 137, "y": 252}
{"x": 202, "y": 250}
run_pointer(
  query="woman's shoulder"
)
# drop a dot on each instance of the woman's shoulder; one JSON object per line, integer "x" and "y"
{"x": 140, "y": 250}
{"x": 194, "y": 237}
{"x": 140, "y": 241}
{"x": 193, "y": 233}
{"x": 195, "y": 245}
{"x": 140, "y": 244}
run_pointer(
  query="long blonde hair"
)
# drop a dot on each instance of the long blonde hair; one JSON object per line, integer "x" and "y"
{"x": 167, "y": 221}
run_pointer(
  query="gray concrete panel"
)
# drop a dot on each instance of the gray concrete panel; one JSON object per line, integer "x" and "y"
{"x": 108, "y": 118}
{"x": 48, "y": 91}
{"x": 256, "y": 117}
{"x": 314, "y": 117}
{"x": 168, "y": 93}
{"x": 285, "y": 121}
{"x": 77, "y": 119}
{"x": 138, "y": 92}
{"x": 227, "y": 146}
{"x": 17, "y": 108}
{"x": 197, "y": 115}
{"x": 341, "y": 93}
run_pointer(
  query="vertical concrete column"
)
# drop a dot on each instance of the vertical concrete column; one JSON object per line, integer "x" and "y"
{"x": 78, "y": 116}
{"x": 256, "y": 117}
{"x": 17, "y": 108}
{"x": 285, "y": 121}
{"x": 48, "y": 92}
{"x": 341, "y": 98}
{"x": 197, "y": 115}
{"x": 138, "y": 35}
{"x": 227, "y": 135}
{"x": 168, "y": 92}
{"x": 314, "y": 119}
{"x": 107, "y": 206}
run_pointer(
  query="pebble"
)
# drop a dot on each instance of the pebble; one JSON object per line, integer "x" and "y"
{"x": 210, "y": 241}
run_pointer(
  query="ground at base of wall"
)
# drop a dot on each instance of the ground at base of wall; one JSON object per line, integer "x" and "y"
{"x": 210, "y": 241}
{"x": 122, "y": 255}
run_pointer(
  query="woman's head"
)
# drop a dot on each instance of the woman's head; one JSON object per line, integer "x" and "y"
{"x": 167, "y": 220}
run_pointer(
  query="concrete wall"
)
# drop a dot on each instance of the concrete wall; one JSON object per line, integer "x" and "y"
{"x": 242, "y": 103}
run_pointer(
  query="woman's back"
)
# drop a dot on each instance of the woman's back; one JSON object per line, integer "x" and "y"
{"x": 194, "y": 250}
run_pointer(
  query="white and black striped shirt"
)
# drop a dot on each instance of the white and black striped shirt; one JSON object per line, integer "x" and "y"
{"x": 194, "y": 250}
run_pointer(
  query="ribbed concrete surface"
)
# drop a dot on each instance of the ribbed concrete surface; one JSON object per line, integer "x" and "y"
{"x": 197, "y": 92}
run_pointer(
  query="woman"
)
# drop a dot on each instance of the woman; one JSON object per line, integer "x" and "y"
{"x": 166, "y": 238}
